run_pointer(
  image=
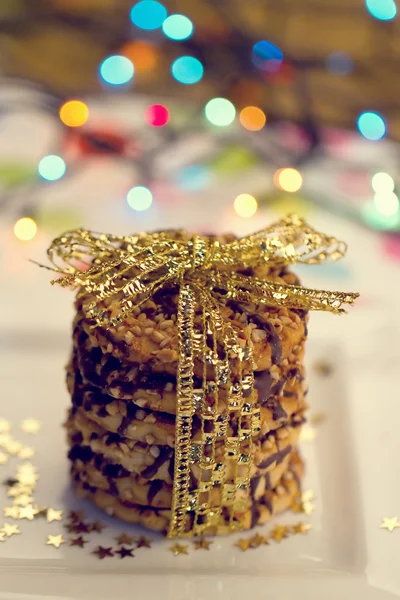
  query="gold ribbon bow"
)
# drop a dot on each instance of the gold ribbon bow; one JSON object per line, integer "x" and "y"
{"x": 131, "y": 269}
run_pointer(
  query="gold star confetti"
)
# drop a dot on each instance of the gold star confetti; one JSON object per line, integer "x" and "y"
{"x": 3, "y": 458}
{"x": 79, "y": 541}
{"x": 78, "y": 527}
{"x": 123, "y": 538}
{"x": 28, "y": 478}
{"x": 257, "y": 540}
{"x": 96, "y": 526}
{"x": 243, "y": 544}
{"x": 143, "y": 542}
{"x": 23, "y": 500}
{"x": 26, "y": 453}
{"x": 317, "y": 418}
{"x": 13, "y": 447}
{"x": 11, "y": 511}
{"x": 390, "y": 523}
{"x": 30, "y": 426}
{"x": 28, "y": 512}
{"x": 308, "y": 495}
{"x": 103, "y": 552}
{"x": 10, "y": 530}
{"x": 125, "y": 552}
{"x": 26, "y": 469}
{"x": 53, "y": 515}
{"x": 2, "y": 537}
{"x": 301, "y": 528}
{"x": 279, "y": 532}
{"x": 202, "y": 543}
{"x": 18, "y": 490}
{"x": 178, "y": 549}
{"x": 76, "y": 515}
{"x": 55, "y": 540}
{"x": 308, "y": 434}
{"x": 308, "y": 508}
{"x": 4, "y": 426}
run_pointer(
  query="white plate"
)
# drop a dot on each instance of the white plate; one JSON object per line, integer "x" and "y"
{"x": 344, "y": 555}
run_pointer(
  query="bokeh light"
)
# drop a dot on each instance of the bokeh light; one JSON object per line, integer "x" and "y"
{"x": 382, "y": 183}
{"x": 25, "y": 229}
{"x": 177, "y": 27}
{"x": 52, "y": 167}
{"x": 384, "y": 10}
{"x": 74, "y": 113}
{"x": 116, "y": 70}
{"x": 139, "y": 198}
{"x": 148, "y": 14}
{"x": 371, "y": 126}
{"x": 157, "y": 115}
{"x": 339, "y": 62}
{"x": 252, "y": 118}
{"x": 142, "y": 54}
{"x": 245, "y": 205}
{"x": 387, "y": 203}
{"x": 187, "y": 70}
{"x": 220, "y": 112}
{"x": 194, "y": 177}
{"x": 266, "y": 56}
{"x": 289, "y": 180}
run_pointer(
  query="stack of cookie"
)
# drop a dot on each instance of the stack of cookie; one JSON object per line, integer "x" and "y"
{"x": 121, "y": 427}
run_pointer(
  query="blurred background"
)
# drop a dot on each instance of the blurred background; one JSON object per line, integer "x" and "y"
{"x": 122, "y": 116}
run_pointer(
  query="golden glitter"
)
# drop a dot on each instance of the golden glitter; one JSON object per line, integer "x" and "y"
{"x": 96, "y": 526}
{"x": 11, "y": 511}
{"x": 243, "y": 544}
{"x": 178, "y": 549}
{"x": 26, "y": 453}
{"x": 258, "y": 540}
{"x": 390, "y": 523}
{"x": 123, "y": 538}
{"x": 78, "y": 541}
{"x": 103, "y": 552}
{"x": 3, "y": 537}
{"x": 308, "y": 434}
{"x": 202, "y": 543}
{"x": 23, "y": 500}
{"x": 123, "y": 552}
{"x": 55, "y": 540}
{"x": 143, "y": 542}
{"x": 3, "y": 458}
{"x": 28, "y": 512}
{"x": 4, "y": 426}
{"x": 280, "y": 532}
{"x": 53, "y": 515}
{"x": 301, "y": 528}
{"x": 200, "y": 265}
{"x": 10, "y": 530}
{"x": 13, "y": 447}
{"x": 30, "y": 426}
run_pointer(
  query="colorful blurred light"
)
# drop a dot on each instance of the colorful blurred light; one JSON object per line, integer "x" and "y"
{"x": 289, "y": 180}
{"x": 116, "y": 70}
{"x": 383, "y": 10}
{"x": 382, "y": 183}
{"x": 245, "y": 205}
{"x": 339, "y": 62}
{"x": 74, "y": 113}
{"x": 194, "y": 177}
{"x": 387, "y": 203}
{"x": 371, "y": 126}
{"x": 148, "y": 14}
{"x": 139, "y": 198}
{"x": 267, "y": 56}
{"x": 157, "y": 115}
{"x": 187, "y": 70}
{"x": 220, "y": 112}
{"x": 142, "y": 54}
{"x": 52, "y": 167}
{"x": 252, "y": 118}
{"x": 25, "y": 229}
{"x": 177, "y": 27}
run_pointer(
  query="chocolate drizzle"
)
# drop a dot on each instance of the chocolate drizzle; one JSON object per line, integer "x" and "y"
{"x": 154, "y": 488}
{"x": 151, "y": 470}
{"x": 277, "y": 457}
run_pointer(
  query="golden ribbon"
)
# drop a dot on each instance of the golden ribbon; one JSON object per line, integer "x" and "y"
{"x": 130, "y": 269}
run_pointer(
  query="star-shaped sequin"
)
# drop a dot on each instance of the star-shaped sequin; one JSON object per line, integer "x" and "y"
{"x": 53, "y": 515}
{"x": 11, "y": 512}
{"x": 13, "y": 447}
{"x": 123, "y": 538}
{"x": 76, "y": 515}
{"x": 55, "y": 540}
{"x": 10, "y": 530}
{"x": 123, "y": 552}
{"x": 279, "y": 532}
{"x": 390, "y": 523}
{"x": 3, "y": 537}
{"x": 178, "y": 549}
{"x": 23, "y": 500}
{"x": 26, "y": 453}
{"x": 4, "y": 426}
{"x": 30, "y": 426}
{"x": 28, "y": 478}
{"x": 5, "y": 439}
{"x": 243, "y": 544}
{"x": 78, "y": 541}
{"x": 202, "y": 543}
{"x": 257, "y": 540}
{"x": 96, "y": 526}
{"x": 28, "y": 512}
{"x": 143, "y": 542}
{"x": 103, "y": 552}
{"x": 301, "y": 528}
